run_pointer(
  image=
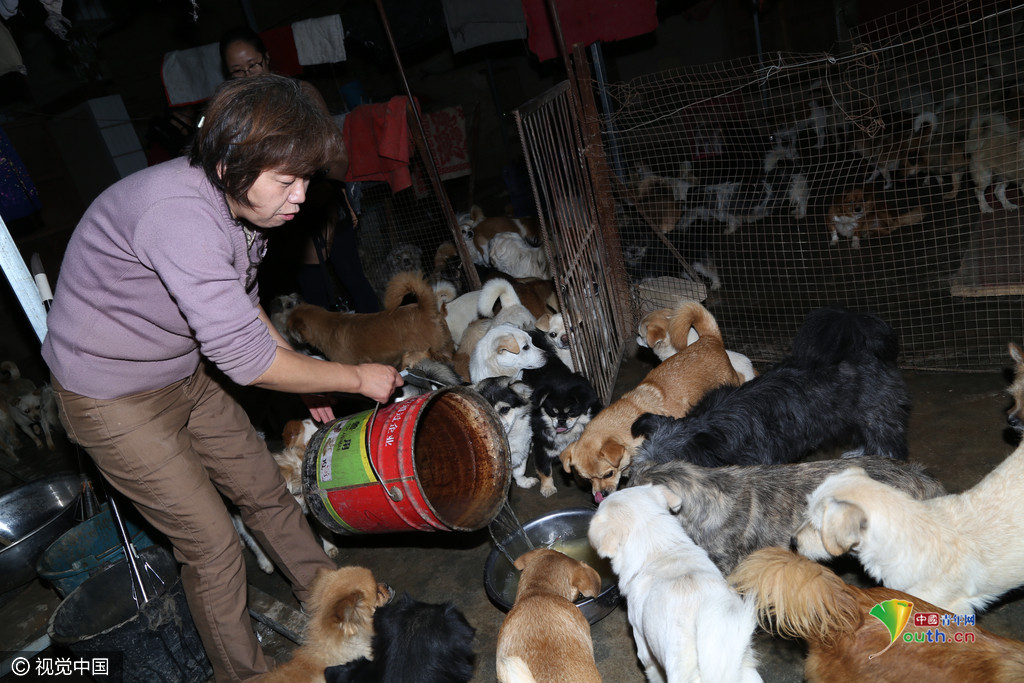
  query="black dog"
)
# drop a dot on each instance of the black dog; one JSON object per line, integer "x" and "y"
{"x": 564, "y": 402}
{"x": 840, "y": 384}
{"x": 413, "y": 642}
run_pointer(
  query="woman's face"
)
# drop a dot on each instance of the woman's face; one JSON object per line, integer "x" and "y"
{"x": 242, "y": 59}
{"x": 275, "y": 199}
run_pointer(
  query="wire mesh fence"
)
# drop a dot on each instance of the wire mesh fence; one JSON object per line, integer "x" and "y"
{"x": 883, "y": 179}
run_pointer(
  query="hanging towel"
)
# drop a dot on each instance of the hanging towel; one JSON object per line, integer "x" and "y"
{"x": 472, "y": 23}
{"x": 377, "y": 139}
{"x": 586, "y": 21}
{"x": 320, "y": 41}
{"x": 191, "y": 75}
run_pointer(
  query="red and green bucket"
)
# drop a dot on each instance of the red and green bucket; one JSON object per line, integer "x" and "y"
{"x": 435, "y": 462}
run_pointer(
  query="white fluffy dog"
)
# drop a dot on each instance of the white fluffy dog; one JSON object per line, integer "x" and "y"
{"x": 510, "y": 253}
{"x": 688, "y": 624}
{"x": 960, "y": 551}
{"x": 504, "y": 351}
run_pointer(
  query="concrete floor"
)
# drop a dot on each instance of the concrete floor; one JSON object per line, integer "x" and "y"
{"x": 957, "y": 430}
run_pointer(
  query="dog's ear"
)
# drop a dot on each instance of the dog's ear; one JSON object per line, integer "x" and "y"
{"x": 608, "y": 538}
{"x": 524, "y": 560}
{"x": 614, "y": 452}
{"x": 352, "y": 612}
{"x": 544, "y": 322}
{"x": 566, "y": 457}
{"x": 673, "y": 500}
{"x": 586, "y": 580}
{"x": 507, "y": 343}
{"x": 842, "y": 525}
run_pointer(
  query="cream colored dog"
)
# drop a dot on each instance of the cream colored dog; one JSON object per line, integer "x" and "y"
{"x": 959, "y": 551}
{"x": 604, "y": 450}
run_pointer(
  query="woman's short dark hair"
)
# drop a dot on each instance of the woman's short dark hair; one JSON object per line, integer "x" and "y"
{"x": 257, "y": 124}
{"x": 242, "y": 34}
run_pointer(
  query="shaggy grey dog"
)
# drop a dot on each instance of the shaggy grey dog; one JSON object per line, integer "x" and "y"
{"x": 734, "y": 510}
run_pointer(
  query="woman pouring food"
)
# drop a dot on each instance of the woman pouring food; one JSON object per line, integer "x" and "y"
{"x": 157, "y": 284}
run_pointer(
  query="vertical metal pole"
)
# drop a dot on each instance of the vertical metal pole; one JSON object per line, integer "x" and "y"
{"x": 597, "y": 58}
{"x": 428, "y": 160}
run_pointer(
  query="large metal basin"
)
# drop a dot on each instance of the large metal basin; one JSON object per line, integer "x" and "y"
{"x": 32, "y": 516}
{"x": 559, "y": 530}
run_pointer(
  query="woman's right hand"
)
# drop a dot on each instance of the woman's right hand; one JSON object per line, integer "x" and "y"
{"x": 377, "y": 381}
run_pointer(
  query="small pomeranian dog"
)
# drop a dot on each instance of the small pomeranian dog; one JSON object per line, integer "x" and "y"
{"x": 564, "y": 403}
{"x": 840, "y": 384}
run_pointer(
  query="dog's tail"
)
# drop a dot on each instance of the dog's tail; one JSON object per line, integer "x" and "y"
{"x": 834, "y": 334}
{"x": 496, "y": 294}
{"x": 687, "y": 315}
{"x": 446, "y": 293}
{"x": 799, "y": 597}
{"x": 513, "y": 670}
{"x": 406, "y": 283}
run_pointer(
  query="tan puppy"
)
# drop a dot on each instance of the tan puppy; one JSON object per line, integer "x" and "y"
{"x": 545, "y": 637}
{"x": 383, "y": 337}
{"x": 603, "y": 453}
{"x": 653, "y": 332}
{"x": 340, "y": 626}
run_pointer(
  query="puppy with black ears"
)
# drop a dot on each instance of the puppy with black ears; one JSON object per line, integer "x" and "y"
{"x": 414, "y": 642}
{"x": 564, "y": 403}
{"x": 511, "y": 401}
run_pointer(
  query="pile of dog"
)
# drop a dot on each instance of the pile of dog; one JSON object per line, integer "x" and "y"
{"x": 699, "y": 538}
{"x": 702, "y": 491}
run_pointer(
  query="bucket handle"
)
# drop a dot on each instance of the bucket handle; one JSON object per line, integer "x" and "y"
{"x": 394, "y": 493}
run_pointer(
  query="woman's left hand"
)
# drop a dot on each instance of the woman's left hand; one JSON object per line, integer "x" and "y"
{"x": 319, "y": 407}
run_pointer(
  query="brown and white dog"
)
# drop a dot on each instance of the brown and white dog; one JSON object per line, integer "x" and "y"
{"x": 604, "y": 450}
{"x": 858, "y": 212}
{"x": 799, "y": 598}
{"x": 478, "y": 230}
{"x": 340, "y": 627}
{"x": 653, "y": 333}
{"x": 545, "y": 637}
{"x": 384, "y": 337}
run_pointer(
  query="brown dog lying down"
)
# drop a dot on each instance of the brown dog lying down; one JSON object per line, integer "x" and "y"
{"x": 604, "y": 450}
{"x": 383, "y": 337}
{"x": 545, "y": 637}
{"x": 800, "y": 598}
{"x": 340, "y": 627}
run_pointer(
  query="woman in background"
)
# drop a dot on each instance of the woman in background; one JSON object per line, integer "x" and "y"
{"x": 325, "y": 262}
{"x": 159, "y": 279}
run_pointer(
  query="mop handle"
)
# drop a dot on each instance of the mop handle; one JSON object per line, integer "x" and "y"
{"x": 129, "y": 549}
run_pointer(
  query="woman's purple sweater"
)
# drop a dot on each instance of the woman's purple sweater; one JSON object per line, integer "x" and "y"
{"x": 156, "y": 273}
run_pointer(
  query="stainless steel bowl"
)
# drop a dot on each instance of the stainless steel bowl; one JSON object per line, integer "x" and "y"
{"x": 32, "y": 516}
{"x": 564, "y": 530}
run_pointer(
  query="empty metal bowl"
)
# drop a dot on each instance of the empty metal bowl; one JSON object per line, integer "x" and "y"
{"x": 563, "y": 530}
{"x": 32, "y": 516}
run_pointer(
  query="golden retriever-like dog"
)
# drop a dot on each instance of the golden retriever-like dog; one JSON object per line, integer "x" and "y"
{"x": 545, "y": 637}
{"x": 604, "y": 450}
{"x": 383, "y": 337}
{"x": 959, "y": 551}
{"x": 340, "y": 627}
{"x": 800, "y": 598}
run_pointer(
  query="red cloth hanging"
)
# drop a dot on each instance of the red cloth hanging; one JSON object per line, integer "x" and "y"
{"x": 586, "y": 21}
{"x": 378, "y": 142}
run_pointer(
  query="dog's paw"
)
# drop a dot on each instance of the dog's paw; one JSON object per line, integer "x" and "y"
{"x": 526, "y": 482}
{"x": 548, "y": 489}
